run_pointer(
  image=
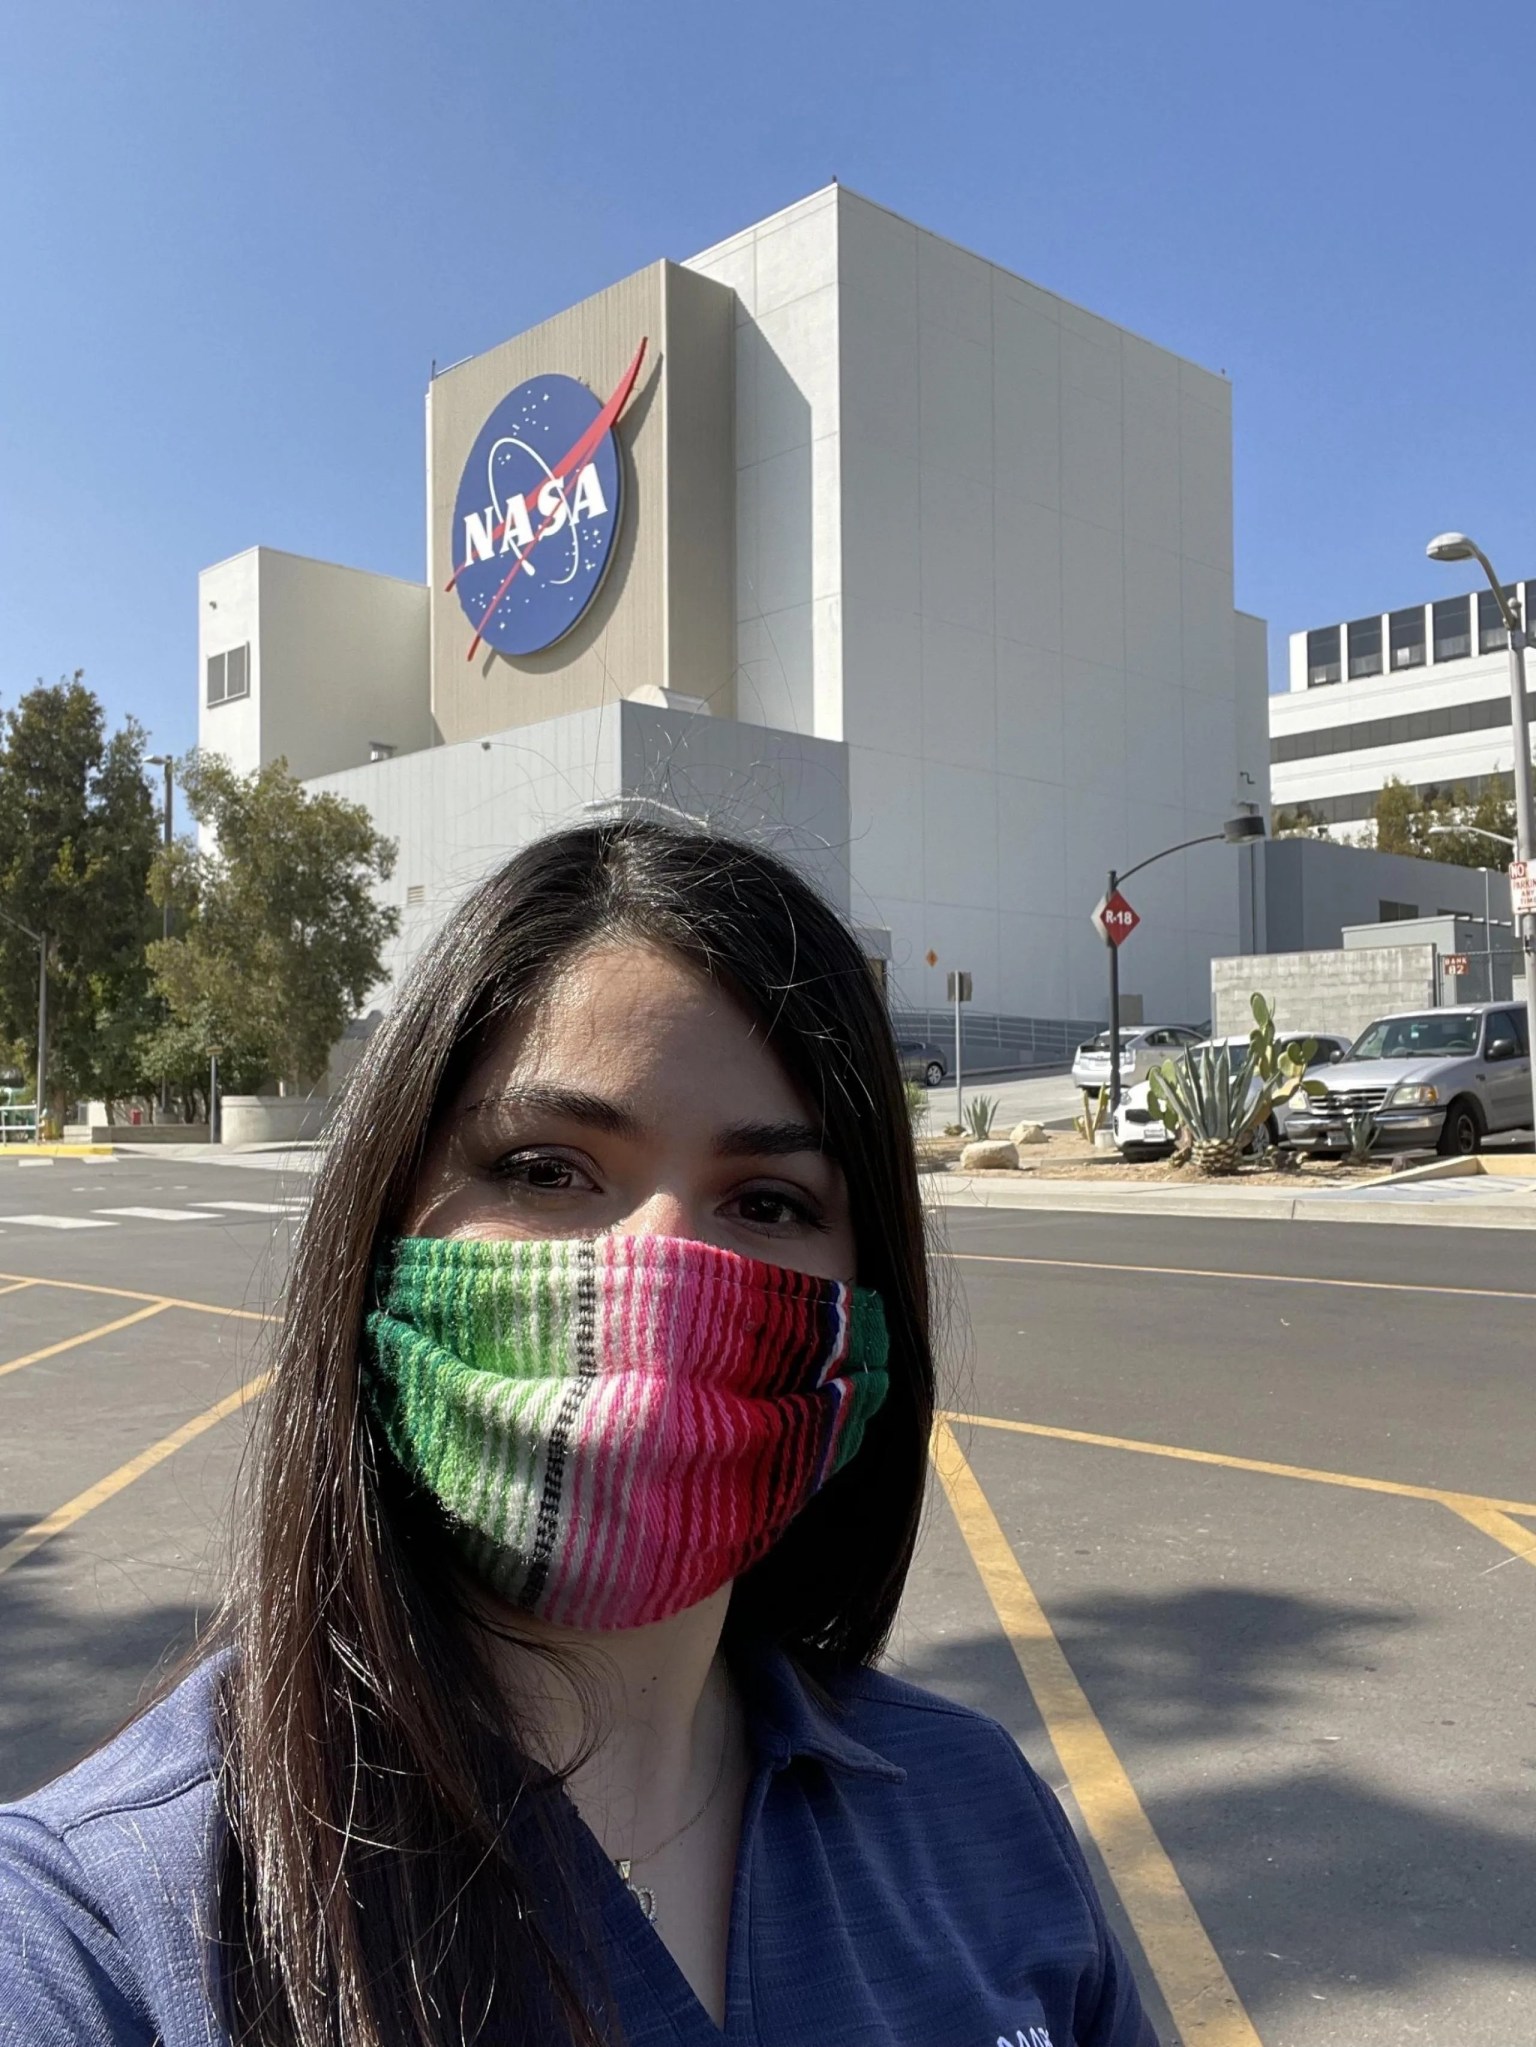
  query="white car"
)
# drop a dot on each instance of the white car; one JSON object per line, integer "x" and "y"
{"x": 1140, "y": 1050}
{"x": 1142, "y": 1135}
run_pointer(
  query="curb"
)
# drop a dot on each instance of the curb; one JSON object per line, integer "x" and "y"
{"x": 21, "y": 1154}
{"x": 973, "y": 1191}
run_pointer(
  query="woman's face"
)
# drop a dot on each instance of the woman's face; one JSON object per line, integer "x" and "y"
{"x": 642, "y": 1100}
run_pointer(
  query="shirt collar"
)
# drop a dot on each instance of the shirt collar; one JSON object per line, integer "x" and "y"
{"x": 787, "y": 1721}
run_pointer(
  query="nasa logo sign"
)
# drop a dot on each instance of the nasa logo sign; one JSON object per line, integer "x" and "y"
{"x": 538, "y": 510}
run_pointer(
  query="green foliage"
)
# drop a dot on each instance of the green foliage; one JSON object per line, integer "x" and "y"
{"x": 917, "y": 1104}
{"x": 280, "y": 936}
{"x": 1219, "y": 1110}
{"x": 1095, "y": 1114}
{"x": 980, "y": 1111}
{"x": 78, "y": 830}
{"x": 1298, "y": 823}
{"x": 1440, "y": 826}
{"x": 1364, "y": 1132}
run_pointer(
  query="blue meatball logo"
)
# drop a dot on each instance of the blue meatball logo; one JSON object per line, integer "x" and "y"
{"x": 538, "y": 511}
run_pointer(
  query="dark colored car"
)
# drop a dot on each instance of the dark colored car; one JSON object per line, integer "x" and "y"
{"x": 921, "y": 1061}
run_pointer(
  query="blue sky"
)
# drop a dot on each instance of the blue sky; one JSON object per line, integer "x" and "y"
{"x": 236, "y": 237}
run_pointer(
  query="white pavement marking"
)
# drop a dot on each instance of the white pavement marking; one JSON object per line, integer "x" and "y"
{"x": 163, "y": 1215}
{"x": 258, "y": 1207}
{"x": 23, "y": 1163}
{"x": 56, "y": 1222}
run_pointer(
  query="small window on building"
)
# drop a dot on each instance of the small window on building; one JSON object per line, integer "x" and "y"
{"x": 1396, "y": 913}
{"x": 380, "y": 750}
{"x": 1323, "y": 657}
{"x": 1406, "y": 629}
{"x": 1453, "y": 628}
{"x": 1364, "y": 646}
{"x": 229, "y": 675}
{"x": 1491, "y": 635}
{"x": 415, "y": 895}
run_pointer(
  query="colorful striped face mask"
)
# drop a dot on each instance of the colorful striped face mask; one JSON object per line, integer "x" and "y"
{"x": 617, "y": 1426}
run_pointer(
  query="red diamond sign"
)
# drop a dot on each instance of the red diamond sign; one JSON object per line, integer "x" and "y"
{"x": 1114, "y": 919}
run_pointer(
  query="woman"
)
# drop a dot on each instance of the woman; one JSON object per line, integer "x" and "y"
{"x": 545, "y": 1705}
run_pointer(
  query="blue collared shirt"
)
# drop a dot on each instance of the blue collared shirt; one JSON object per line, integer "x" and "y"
{"x": 904, "y": 1880}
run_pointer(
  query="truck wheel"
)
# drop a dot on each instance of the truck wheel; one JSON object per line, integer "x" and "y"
{"x": 933, "y": 1073}
{"x": 1461, "y": 1134}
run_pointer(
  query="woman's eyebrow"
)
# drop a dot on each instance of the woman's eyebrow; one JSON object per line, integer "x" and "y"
{"x": 574, "y": 1104}
{"x": 767, "y": 1140}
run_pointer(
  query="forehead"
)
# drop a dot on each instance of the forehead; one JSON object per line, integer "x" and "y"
{"x": 629, "y": 1016}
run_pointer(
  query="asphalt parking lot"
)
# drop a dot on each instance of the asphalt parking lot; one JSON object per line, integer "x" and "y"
{"x": 1235, "y": 1529}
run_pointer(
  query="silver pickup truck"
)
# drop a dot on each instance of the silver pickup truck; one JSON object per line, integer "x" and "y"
{"x": 1441, "y": 1077}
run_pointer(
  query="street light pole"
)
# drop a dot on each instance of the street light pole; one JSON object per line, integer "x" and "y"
{"x": 40, "y": 940}
{"x": 167, "y": 762}
{"x": 1450, "y": 547}
{"x": 1477, "y": 831}
{"x": 1236, "y": 831}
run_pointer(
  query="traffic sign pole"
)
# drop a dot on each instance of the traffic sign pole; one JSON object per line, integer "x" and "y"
{"x": 1114, "y": 1010}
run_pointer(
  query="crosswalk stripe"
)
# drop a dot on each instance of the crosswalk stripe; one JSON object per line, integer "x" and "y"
{"x": 162, "y": 1215}
{"x": 255, "y": 1207}
{"x": 55, "y": 1222}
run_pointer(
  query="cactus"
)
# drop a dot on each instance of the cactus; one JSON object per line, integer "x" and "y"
{"x": 1220, "y": 1111}
{"x": 979, "y": 1113}
{"x": 1364, "y": 1131}
{"x": 1095, "y": 1113}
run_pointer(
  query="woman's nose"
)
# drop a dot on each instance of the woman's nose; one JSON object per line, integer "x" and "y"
{"x": 664, "y": 1213}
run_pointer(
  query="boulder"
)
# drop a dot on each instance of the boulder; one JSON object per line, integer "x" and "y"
{"x": 990, "y": 1155}
{"x": 1028, "y": 1133}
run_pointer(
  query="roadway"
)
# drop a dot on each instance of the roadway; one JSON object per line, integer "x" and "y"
{"x": 1236, "y": 1533}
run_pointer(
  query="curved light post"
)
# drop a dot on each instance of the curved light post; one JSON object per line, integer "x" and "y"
{"x": 40, "y": 940}
{"x": 1457, "y": 547}
{"x": 1241, "y": 830}
{"x": 1477, "y": 831}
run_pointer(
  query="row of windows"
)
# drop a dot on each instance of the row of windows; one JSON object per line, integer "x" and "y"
{"x": 229, "y": 675}
{"x": 1356, "y": 809}
{"x": 1401, "y": 730}
{"x": 1357, "y": 646}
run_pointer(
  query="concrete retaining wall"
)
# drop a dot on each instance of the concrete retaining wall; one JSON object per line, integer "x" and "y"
{"x": 1323, "y": 991}
{"x": 271, "y": 1119}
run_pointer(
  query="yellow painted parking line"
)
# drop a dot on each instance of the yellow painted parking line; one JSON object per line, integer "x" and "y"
{"x": 124, "y": 1293}
{"x": 1441, "y": 1495}
{"x": 53, "y": 1350}
{"x": 15, "y": 1286}
{"x": 32, "y": 1539}
{"x": 1516, "y": 1538}
{"x": 1369, "y": 1286}
{"x": 1199, "y": 1994}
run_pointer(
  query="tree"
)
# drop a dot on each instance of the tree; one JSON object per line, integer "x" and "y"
{"x": 1301, "y": 822}
{"x": 77, "y": 838}
{"x": 281, "y": 935}
{"x": 1445, "y": 825}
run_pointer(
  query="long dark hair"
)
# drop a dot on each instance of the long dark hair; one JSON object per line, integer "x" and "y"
{"x": 371, "y": 1894}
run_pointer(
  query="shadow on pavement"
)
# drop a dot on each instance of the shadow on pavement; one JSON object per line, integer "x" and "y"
{"x": 1316, "y": 1875}
{"x": 68, "y": 1678}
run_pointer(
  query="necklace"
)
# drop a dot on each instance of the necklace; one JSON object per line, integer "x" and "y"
{"x": 643, "y": 1896}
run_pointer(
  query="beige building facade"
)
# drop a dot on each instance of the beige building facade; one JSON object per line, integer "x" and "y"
{"x": 883, "y": 500}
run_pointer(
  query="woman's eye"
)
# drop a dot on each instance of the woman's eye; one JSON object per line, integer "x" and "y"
{"x": 770, "y": 1208}
{"x": 542, "y": 1172}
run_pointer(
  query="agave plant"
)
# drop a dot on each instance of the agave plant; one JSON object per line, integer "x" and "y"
{"x": 980, "y": 1111}
{"x": 1364, "y": 1131}
{"x": 1222, "y": 1110}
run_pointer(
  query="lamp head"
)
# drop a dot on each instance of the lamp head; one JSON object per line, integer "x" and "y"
{"x": 1242, "y": 830}
{"x": 1450, "y": 547}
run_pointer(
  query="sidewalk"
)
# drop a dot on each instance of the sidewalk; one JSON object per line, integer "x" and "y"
{"x": 1489, "y": 1204}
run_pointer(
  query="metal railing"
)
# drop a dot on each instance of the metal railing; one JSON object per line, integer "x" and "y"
{"x": 18, "y": 1123}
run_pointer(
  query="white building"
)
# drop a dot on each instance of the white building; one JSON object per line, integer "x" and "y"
{"x": 913, "y": 566}
{"x": 1418, "y": 696}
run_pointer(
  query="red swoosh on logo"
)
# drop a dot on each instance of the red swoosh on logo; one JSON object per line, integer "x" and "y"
{"x": 560, "y": 472}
